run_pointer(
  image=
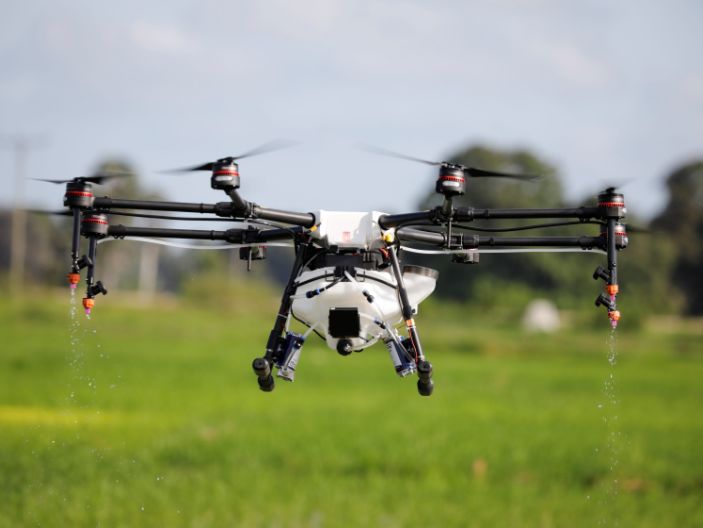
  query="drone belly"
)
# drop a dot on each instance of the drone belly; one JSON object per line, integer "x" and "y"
{"x": 342, "y": 309}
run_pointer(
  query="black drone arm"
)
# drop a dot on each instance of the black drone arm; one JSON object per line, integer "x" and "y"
{"x": 287, "y": 217}
{"x": 463, "y": 241}
{"x": 468, "y": 214}
{"x": 237, "y": 208}
{"x": 388, "y": 221}
{"x": 95, "y": 226}
{"x": 234, "y": 236}
{"x": 106, "y": 203}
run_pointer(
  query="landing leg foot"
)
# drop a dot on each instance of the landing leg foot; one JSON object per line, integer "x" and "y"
{"x": 262, "y": 369}
{"x": 425, "y": 385}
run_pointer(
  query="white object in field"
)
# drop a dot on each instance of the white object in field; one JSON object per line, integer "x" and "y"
{"x": 541, "y": 315}
{"x": 347, "y": 229}
{"x": 419, "y": 283}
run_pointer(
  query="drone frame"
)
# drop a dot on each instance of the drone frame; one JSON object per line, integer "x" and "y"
{"x": 434, "y": 228}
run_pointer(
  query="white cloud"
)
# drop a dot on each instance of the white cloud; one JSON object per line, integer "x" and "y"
{"x": 575, "y": 65}
{"x": 161, "y": 38}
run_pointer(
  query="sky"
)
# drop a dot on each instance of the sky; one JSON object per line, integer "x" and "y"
{"x": 606, "y": 91}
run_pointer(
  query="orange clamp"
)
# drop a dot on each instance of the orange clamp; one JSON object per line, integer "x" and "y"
{"x": 612, "y": 289}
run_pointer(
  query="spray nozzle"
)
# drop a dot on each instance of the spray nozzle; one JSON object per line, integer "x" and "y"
{"x": 609, "y": 302}
{"x": 88, "y": 304}
{"x": 73, "y": 280}
{"x": 601, "y": 273}
{"x": 97, "y": 289}
{"x": 606, "y": 301}
{"x": 89, "y": 299}
{"x": 84, "y": 262}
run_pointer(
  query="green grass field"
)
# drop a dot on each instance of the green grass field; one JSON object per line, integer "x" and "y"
{"x": 153, "y": 418}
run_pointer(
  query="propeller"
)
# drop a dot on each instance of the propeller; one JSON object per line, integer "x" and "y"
{"x": 271, "y": 146}
{"x": 468, "y": 171}
{"x": 51, "y": 213}
{"x": 610, "y": 186}
{"x": 98, "y": 178}
{"x": 638, "y": 230}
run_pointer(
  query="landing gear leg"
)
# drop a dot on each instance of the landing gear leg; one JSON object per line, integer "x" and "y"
{"x": 262, "y": 366}
{"x": 425, "y": 385}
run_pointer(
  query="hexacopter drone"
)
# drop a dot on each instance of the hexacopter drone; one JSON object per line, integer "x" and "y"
{"x": 347, "y": 283}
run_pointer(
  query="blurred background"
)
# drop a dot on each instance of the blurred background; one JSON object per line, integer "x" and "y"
{"x": 148, "y": 413}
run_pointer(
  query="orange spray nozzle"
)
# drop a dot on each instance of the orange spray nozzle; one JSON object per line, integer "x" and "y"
{"x": 612, "y": 289}
{"x": 88, "y": 304}
{"x": 73, "y": 280}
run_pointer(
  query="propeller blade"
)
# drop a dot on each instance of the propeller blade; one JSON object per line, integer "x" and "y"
{"x": 480, "y": 173}
{"x": 391, "y": 154}
{"x": 616, "y": 186}
{"x": 50, "y": 181}
{"x": 203, "y": 167}
{"x": 474, "y": 173}
{"x": 94, "y": 178}
{"x": 637, "y": 229}
{"x": 52, "y": 213}
{"x": 102, "y": 177}
{"x": 277, "y": 144}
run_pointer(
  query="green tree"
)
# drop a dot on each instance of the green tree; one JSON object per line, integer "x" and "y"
{"x": 681, "y": 222}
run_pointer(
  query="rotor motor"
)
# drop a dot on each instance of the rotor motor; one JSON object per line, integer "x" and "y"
{"x": 94, "y": 225}
{"x": 225, "y": 175}
{"x": 612, "y": 204}
{"x": 621, "y": 238}
{"x": 451, "y": 181}
{"x": 79, "y": 195}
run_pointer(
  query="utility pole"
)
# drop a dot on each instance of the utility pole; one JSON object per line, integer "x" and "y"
{"x": 21, "y": 145}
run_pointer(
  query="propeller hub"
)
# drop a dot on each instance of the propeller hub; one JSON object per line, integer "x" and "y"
{"x": 621, "y": 238}
{"x": 451, "y": 180}
{"x": 79, "y": 194}
{"x": 225, "y": 175}
{"x": 94, "y": 224}
{"x": 612, "y": 203}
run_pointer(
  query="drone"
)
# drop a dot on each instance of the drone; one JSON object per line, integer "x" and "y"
{"x": 348, "y": 284}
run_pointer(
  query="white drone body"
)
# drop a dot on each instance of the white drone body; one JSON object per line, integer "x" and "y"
{"x": 357, "y": 231}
